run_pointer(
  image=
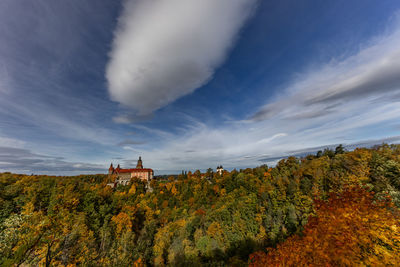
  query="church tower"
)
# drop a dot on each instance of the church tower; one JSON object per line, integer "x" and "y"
{"x": 139, "y": 164}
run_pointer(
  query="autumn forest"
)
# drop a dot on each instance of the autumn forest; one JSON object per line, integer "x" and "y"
{"x": 334, "y": 208}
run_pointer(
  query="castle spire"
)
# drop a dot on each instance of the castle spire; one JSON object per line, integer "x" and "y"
{"x": 139, "y": 164}
{"x": 111, "y": 169}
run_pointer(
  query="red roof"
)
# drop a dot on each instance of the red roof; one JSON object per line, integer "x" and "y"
{"x": 134, "y": 170}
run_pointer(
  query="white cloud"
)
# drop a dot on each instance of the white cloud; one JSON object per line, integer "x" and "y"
{"x": 25, "y": 161}
{"x": 344, "y": 101}
{"x": 7, "y": 141}
{"x": 269, "y": 139}
{"x": 373, "y": 72}
{"x": 41, "y": 48}
{"x": 235, "y": 145}
{"x": 165, "y": 49}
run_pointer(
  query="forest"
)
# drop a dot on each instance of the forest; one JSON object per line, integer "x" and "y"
{"x": 334, "y": 208}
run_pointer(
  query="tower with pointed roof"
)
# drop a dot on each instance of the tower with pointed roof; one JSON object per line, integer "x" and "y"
{"x": 139, "y": 164}
{"x": 220, "y": 170}
{"x": 111, "y": 169}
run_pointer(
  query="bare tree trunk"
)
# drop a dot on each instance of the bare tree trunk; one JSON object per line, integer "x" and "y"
{"x": 48, "y": 254}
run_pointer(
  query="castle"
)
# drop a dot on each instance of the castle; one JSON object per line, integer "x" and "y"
{"x": 124, "y": 176}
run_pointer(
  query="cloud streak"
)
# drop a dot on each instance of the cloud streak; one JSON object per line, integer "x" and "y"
{"x": 23, "y": 160}
{"x": 128, "y": 142}
{"x": 166, "y": 49}
{"x": 344, "y": 101}
{"x": 373, "y": 72}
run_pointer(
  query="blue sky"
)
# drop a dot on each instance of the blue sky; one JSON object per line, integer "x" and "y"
{"x": 191, "y": 84}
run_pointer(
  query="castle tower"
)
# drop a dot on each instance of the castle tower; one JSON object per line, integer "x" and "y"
{"x": 220, "y": 170}
{"x": 111, "y": 169}
{"x": 139, "y": 164}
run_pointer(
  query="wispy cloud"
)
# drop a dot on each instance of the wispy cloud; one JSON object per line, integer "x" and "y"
{"x": 345, "y": 101}
{"x": 49, "y": 75}
{"x": 130, "y": 117}
{"x": 166, "y": 49}
{"x": 53, "y": 98}
{"x": 23, "y": 160}
{"x": 373, "y": 72}
{"x": 130, "y": 142}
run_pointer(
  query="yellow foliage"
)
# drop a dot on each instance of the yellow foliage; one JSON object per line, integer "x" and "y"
{"x": 191, "y": 201}
{"x": 122, "y": 222}
{"x": 174, "y": 191}
{"x": 132, "y": 190}
{"x": 223, "y": 192}
{"x": 168, "y": 186}
{"x": 262, "y": 233}
{"x": 216, "y": 232}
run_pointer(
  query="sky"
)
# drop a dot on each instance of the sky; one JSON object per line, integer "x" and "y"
{"x": 190, "y": 84}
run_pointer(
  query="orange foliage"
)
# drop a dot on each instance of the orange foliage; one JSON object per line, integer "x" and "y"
{"x": 138, "y": 263}
{"x": 216, "y": 189}
{"x": 165, "y": 204}
{"x": 350, "y": 229}
{"x": 174, "y": 191}
{"x": 267, "y": 174}
{"x": 200, "y": 212}
{"x": 122, "y": 221}
{"x": 191, "y": 201}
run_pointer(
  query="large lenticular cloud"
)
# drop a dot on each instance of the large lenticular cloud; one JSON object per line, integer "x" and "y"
{"x": 164, "y": 49}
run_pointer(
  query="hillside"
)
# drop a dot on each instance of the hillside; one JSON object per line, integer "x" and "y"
{"x": 302, "y": 211}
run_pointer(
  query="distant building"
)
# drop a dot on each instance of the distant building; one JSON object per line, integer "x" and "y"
{"x": 124, "y": 176}
{"x": 220, "y": 170}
